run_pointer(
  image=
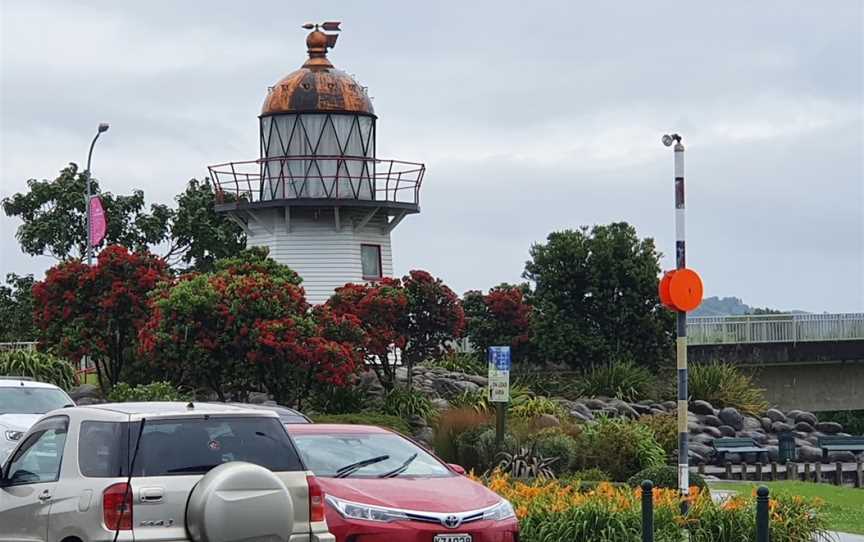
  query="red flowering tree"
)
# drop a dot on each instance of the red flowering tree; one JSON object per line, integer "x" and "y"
{"x": 247, "y": 326}
{"x": 500, "y": 318}
{"x": 416, "y": 315}
{"x": 96, "y": 311}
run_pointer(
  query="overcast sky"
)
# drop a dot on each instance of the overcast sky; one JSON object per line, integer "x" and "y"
{"x": 530, "y": 116}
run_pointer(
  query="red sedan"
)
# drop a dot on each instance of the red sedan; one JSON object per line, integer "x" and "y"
{"x": 382, "y": 487}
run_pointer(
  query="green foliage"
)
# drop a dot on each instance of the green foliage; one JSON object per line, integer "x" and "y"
{"x": 526, "y": 406}
{"x": 476, "y": 450}
{"x": 477, "y": 400}
{"x": 590, "y": 475}
{"x": 53, "y": 215}
{"x": 338, "y": 400}
{"x": 724, "y": 385}
{"x": 624, "y": 380}
{"x": 155, "y": 391}
{"x": 16, "y": 309}
{"x": 618, "y": 446}
{"x": 366, "y": 418}
{"x": 450, "y": 425}
{"x": 527, "y": 463}
{"x": 38, "y": 366}
{"x": 665, "y": 476}
{"x": 851, "y": 420}
{"x": 665, "y": 429}
{"x": 407, "y": 403}
{"x": 554, "y": 444}
{"x": 460, "y": 362}
{"x": 595, "y": 298}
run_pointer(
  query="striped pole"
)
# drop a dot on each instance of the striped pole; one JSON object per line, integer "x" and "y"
{"x": 681, "y": 329}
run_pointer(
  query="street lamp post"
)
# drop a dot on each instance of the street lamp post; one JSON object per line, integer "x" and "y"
{"x": 103, "y": 127}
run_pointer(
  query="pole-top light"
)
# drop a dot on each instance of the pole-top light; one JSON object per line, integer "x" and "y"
{"x": 669, "y": 139}
{"x": 103, "y": 127}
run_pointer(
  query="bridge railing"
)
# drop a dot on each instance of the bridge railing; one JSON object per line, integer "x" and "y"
{"x": 775, "y": 328}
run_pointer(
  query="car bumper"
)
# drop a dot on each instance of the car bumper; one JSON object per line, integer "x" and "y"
{"x": 413, "y": 531}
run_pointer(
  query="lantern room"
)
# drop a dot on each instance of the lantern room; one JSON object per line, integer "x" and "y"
{"x": 318, "y": 195}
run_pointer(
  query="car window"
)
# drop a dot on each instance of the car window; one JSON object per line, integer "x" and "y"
{"x": 40, "y": 456}
{"x": 327, "y": 455}
{"x": 103, "y": 449}
{"x": 24, "y": 400}
{"x": 193, "y": 446}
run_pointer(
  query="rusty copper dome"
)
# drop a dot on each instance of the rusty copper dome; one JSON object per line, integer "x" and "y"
{"x": 317, "y": 85}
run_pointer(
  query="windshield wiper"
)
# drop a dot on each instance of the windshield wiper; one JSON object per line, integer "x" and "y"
{"x": 348, "y": 470}
{"x": 401, "y": 468}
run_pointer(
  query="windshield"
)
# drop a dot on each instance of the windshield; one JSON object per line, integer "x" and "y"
{"x": 376, "y": 455}
{"x": 23, "y": 400}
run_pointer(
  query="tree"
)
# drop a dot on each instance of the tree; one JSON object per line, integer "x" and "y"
{"x": 500, "y": 318}
{"x": 247, "y": 326}
{"x": 54, "y": 217}
{"x": 595, "y": 297}
{"x": 16, "y": 309}
{"x": 97, "y": 311}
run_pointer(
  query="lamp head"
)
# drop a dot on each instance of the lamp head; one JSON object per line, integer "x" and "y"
{"x": 103, "y": 127}
{"x": 669, "y": 139}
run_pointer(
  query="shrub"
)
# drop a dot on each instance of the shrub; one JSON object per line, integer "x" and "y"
{"x": 38, "y": 366}
{"x": 533, "y": 406}
{"x": 527, "y": 463}
{"x": 407, "y": 403}
{"x": 665, "y": 476}
{"x": 366, "y": 418}
{"x": 477, "y": 400}
{"x": 723, "y": 385}
{"x": 665, "y": 428}
{"x": 552, "y": 443}
{"x": 451, "y": 424}
{"x": 460, "y": 362}
{"x": 618, "y": 446}
{"x": 590, "y": 475}
{"x": 155, "y": 391}
{"x": 338, "y": 400}
{"x": 623, "y": 380}
{"x": 476, "y": 450}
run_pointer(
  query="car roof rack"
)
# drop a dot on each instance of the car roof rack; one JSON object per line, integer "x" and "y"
{"x": 9, "y": 377}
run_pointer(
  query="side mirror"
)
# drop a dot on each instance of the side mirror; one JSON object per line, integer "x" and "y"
{"x": 458, "y": 469}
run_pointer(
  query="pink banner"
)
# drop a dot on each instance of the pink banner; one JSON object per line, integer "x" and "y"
{"x": 98, "y": 224}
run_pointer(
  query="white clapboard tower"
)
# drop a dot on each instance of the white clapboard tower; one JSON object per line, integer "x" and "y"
{"x": 319, "y": 197}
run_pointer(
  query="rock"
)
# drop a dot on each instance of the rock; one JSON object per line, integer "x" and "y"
{"x": 544, "y": 421}
{"x": 773, "y": 453}
{"x": 624, "y": 409}
{"x": 809, "y": 453}
{"x": 448, "y": 387}
{"x": 85, "y": 390}
{"x": 696, "y": 459}
{"x": 609, "y": 412}
{"x": 440, "y": 403}
{"x": 425, "y": 435}
{"x": 581, "y": 417}
{"x": 258, "y": 398}
{"x": 808, "y": 417}
{"x": 658, "y": 406}
{"x": 804, "y": 426}
{"x": 658, "y": 411}
{"x": 584, "y": 410}
{"x": 481, "y": 381}
{"x": 645, "y": 402}
{"x": 595, "y": 404}
{"x": 695, "y": 428}
{"x": 775, "y": 415}
{"x": 702, "y": 438}
{"x": 727, "y": 430}
{"x": 641, "y": 409}
{"x": 670, "y": 405}
{"x": 801, "y": 435}
{"x": 781, "y": 427}
{"x": 701, "y": 407}
{"x": 84, "y": 401}
{"x": 701, "y": 449}
{"x": 713, "y": 431}
{"x": 416, "y": 421}
{"x": 730, "y": 416}
{"x": 813, "y": 440}
{"x": 792, "y": 413}
{"x": 760, "y": 438}
{"x": 766, "y": 424}
{"x": 829, "y": 428}
{"x": 752, "y": 424}
{"x": 711, "y": 420}
{"x": 845, "y": 457}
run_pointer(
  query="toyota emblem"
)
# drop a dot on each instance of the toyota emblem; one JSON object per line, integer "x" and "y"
{"x": 451, "y": 522}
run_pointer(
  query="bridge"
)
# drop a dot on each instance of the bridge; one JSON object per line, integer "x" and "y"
{"x": 807, "y": 361}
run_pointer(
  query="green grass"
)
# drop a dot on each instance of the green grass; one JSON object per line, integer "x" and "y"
{"x": 843, "y": 505}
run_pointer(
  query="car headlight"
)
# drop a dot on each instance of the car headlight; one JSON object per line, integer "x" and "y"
{"x": 14, "y": 436}
{"x": 504, "y": 510}
{"x": 353, "y": 510}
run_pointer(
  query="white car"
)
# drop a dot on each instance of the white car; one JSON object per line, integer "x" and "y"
{"x": 22, "y": 402}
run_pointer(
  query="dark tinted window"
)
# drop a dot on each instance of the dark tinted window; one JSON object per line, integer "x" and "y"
{"x": 103, "y": 449}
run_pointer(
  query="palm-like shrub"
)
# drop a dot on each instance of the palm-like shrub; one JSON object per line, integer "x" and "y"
{"x": 38, "y": 366}
{"x": 724, "y": 385}
{"x": 527, "y": 463}
{"x": 665, "y": 429}
{"x": 407, "y": 403}
{"x": 624, "y": 380}
{"x": 460, "y": 362}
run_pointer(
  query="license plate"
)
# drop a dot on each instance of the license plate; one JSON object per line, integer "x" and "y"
{"x": 452, "y": 538}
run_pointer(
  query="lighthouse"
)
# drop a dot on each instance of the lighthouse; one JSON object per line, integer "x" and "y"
{"x": 318, "y": 196}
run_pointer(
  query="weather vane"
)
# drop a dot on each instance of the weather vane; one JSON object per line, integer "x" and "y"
{"x": 329, "y": 26}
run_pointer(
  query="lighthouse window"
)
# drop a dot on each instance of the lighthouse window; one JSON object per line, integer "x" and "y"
{"x": 370, "y": 255}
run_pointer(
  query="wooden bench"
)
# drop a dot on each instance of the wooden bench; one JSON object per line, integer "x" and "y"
{"x": 840, "y": 444}
{"x": 725, "y": 445}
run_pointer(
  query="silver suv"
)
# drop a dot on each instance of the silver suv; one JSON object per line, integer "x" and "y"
{"x": 159, "y": 472}
{"x": 22, "y": 402}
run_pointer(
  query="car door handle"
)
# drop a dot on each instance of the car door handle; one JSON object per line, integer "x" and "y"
{"x": 45, "y": 496}
{"x": 151, "y": 494}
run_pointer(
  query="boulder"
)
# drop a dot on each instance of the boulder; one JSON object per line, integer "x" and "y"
{"x": 595, "y": 404}
{"x": 695, "y": 459}
{"x": 417, "y": 422}
{"x": 641, "y": 409}
{"x": 701, "y": 407}
{"x": 801, "y": 435}
{"x": 440, "y": 404}
{"x": 481, "y": 381}
{"x": 258, "y": 398}
{"x": 766, "y": 424}
{"x": 670, "y": 405}
{"x": 581, "y": 417}
{"x": 85, "y": 390}
{"x": 695, "y": 428}
{"x": 425, "y": 435}
{"x": 829, "y": 428}
{"x": 544, "y": 421}
{"x": 701, "y": 449}
{"x": 760, "y": 438}
{"x": 730, "y": 416}
{"x": 813, "y": 440}
{"x": 84, "y": 401}
{"x": 658, "y": 406}
{"x": 711, "y": 420}
{"x": 808, "y": 417}
{"x": 804, "y": 426}
{"x": 657, "y": 411}
{"x": 781, "y": 427}
{"x": 845, "y": 457}
{"x": 773, "y": 453}
{"x": 775, "y": 415}
{"x": 583, "y": 410}
{"x": 701, "y": 438}
{"x": 752, "y": 424}
{"x": 624, "y": 409}
{"x": 713, "y": 431}
{"x": 809, "y": 453}
{"x": 727, "y": 430}
{"x": 793, "y": 413}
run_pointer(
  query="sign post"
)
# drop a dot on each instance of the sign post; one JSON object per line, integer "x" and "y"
{"x": 499, "y": 388}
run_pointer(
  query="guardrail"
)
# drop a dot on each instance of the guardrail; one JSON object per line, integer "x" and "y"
{"x": 775, "y": 328}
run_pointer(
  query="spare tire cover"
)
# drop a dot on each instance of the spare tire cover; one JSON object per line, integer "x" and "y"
{"x": 239, "y": 501}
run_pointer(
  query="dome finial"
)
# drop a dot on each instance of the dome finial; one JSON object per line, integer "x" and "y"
{"x": 317, "y": 43}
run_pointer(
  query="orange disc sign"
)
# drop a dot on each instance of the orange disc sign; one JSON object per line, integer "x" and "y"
{"x": 685, "y": 289}
{"x": 665, "y": 296}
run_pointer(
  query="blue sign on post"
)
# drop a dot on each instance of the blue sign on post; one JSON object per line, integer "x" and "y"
{"x": 499, "y": 374}
{"x": 500, "y": 357}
